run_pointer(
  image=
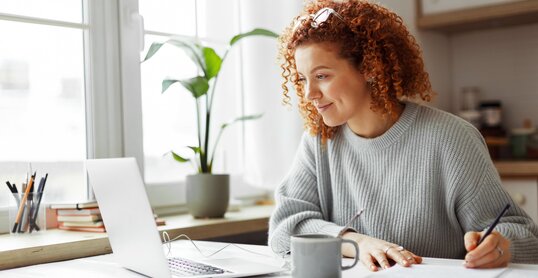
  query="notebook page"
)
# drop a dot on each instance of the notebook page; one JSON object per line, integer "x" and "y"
{"x": 437, "y": 271}
{"x": 520, "y": 272}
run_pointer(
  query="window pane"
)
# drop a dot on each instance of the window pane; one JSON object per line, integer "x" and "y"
{"x": 169, "y": 121}
{"x": 42, "y": 108}
{"x": 64, "y": 10}
{"x": 169, "y": 16}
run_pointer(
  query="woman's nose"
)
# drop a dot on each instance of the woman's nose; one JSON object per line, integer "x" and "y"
{"x": 312, "y": 92}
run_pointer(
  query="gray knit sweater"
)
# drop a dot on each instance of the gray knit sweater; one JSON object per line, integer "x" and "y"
{"x": 423, "y": 183}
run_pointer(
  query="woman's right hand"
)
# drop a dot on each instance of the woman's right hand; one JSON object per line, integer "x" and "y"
{"x": 374, "y": 252}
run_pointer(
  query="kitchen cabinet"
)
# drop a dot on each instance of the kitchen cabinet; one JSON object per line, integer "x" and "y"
{"x": 524, "y": 192}
{"x": 456, "y": 16}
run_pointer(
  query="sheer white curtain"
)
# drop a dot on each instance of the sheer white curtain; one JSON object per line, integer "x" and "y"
{"x": 271, "y": 142}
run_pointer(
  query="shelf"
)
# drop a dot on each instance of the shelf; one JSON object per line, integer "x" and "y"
{"x": 492, "y": 16}
{"x": 517, "y": 169}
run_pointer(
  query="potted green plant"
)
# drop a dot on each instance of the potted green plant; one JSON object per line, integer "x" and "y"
{"x": 207, "y": 193}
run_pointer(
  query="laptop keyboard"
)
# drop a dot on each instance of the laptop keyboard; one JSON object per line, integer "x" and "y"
{"x": 180, "y": 266}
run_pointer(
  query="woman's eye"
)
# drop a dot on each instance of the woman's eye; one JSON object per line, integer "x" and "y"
{"x": 321, "y": 76}
{"x": 301, "y": 80}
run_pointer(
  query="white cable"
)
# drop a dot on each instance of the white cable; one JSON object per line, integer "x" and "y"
{"x": 167, "y": 241}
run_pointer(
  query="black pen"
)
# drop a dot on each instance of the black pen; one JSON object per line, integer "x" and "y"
{"x": 10, "y": 187}
{"x": 14, "y": 191}
{"x": 348, "y": 224}
{"x": 33, "y": 202}
{"x": 492, "y": 226}
{"x": 33, "y": 224}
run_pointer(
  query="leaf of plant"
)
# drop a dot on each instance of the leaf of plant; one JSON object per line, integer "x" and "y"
{"x": 194, "y": 149}
{"x": 179, "y": 158}
{"x": 193, "y": 50}
{"x": 153, "y": 49}
{"x": 167, "y": 83}
{"x": 242, "y": 118}
{"x": 212, "y": 62}
{"x": 198, "y": 86}
{"x": 255, "y": 32}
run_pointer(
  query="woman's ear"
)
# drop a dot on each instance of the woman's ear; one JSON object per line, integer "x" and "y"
{"x": 370, "y": 83}
{"x": 368, "y": 77}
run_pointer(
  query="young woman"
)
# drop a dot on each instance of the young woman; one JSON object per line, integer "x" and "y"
{"x": 423, "y": 176}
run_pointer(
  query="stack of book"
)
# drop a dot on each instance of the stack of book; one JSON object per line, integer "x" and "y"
{"x": 84, "y": 217}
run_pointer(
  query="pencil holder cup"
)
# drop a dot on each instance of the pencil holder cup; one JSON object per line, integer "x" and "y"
{"x": 28, "y": 214}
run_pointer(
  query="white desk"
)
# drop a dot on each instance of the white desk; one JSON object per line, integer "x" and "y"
{"x": 104, "y": 266}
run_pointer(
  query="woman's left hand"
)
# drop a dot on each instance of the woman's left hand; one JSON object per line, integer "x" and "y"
{"x": 492, "y": 252}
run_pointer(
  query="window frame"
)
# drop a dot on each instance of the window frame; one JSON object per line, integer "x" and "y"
{"x": 131, "y": 44}
{"x": 103, "y": 98}
{"x": 113, "y": 39}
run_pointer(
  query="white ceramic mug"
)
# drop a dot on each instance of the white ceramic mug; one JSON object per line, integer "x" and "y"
{"x": 317, "y": 255}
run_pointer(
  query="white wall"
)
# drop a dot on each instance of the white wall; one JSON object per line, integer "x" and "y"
{"x": 435, "y": 48}
{"x": 503, "y": 63}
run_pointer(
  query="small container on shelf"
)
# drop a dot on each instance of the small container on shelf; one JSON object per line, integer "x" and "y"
{"x": 469, "y": 105}
{"x": 492, "y": 129}
{"x": 532, "y": 142}
{"x": 491, "y": 112}
{"x": 532, "y": 147}
{"x": 27, "y": 215}
{"x": 522, "y": 140}
{"x": 469, "y": 98}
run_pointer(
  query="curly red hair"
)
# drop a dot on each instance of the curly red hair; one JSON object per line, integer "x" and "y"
{"x": 374, "y": 40}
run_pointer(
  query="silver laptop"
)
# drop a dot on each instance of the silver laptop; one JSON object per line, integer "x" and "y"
{"x": 133, "y": 234}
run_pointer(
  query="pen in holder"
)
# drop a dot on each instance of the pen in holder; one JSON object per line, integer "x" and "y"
{"x": 27, "y": 213}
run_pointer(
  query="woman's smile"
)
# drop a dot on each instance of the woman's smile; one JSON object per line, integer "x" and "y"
{"x": 323, "y": 107}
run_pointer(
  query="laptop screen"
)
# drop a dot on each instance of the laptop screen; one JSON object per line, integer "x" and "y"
{"x": 127, "y": 214}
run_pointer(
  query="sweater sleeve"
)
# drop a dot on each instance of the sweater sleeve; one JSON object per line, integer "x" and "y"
{"x": 481, "y": 209}
{"x": 298, "y": 204}
{"x": 480, "y": 203}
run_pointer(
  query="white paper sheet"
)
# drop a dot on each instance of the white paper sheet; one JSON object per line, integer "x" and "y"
{"x": 437, "y": 271}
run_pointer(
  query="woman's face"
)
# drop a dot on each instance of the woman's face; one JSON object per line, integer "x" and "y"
{"x": 335, "y": 87}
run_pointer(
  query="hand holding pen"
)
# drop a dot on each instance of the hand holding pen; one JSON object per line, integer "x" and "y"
{"x": 487, "y": 249}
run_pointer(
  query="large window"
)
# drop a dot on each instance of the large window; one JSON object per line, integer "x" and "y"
{"x": 72, "y": 87}
{"x": 42, "y": 94}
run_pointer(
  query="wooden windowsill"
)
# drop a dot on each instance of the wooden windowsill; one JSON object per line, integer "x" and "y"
{"x": 57, "y": 245}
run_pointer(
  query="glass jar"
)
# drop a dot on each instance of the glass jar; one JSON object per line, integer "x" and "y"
{"x": 519, "y": 141}
{"x": 532, "y": 145}
{"x": 469, "y": 98}
{"x": 491, "y": 112}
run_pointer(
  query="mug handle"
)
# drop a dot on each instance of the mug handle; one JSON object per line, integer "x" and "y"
{"x": 346, "y": 267}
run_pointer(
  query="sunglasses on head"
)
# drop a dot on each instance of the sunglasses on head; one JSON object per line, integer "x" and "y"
{"x": 318, "y": 18}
